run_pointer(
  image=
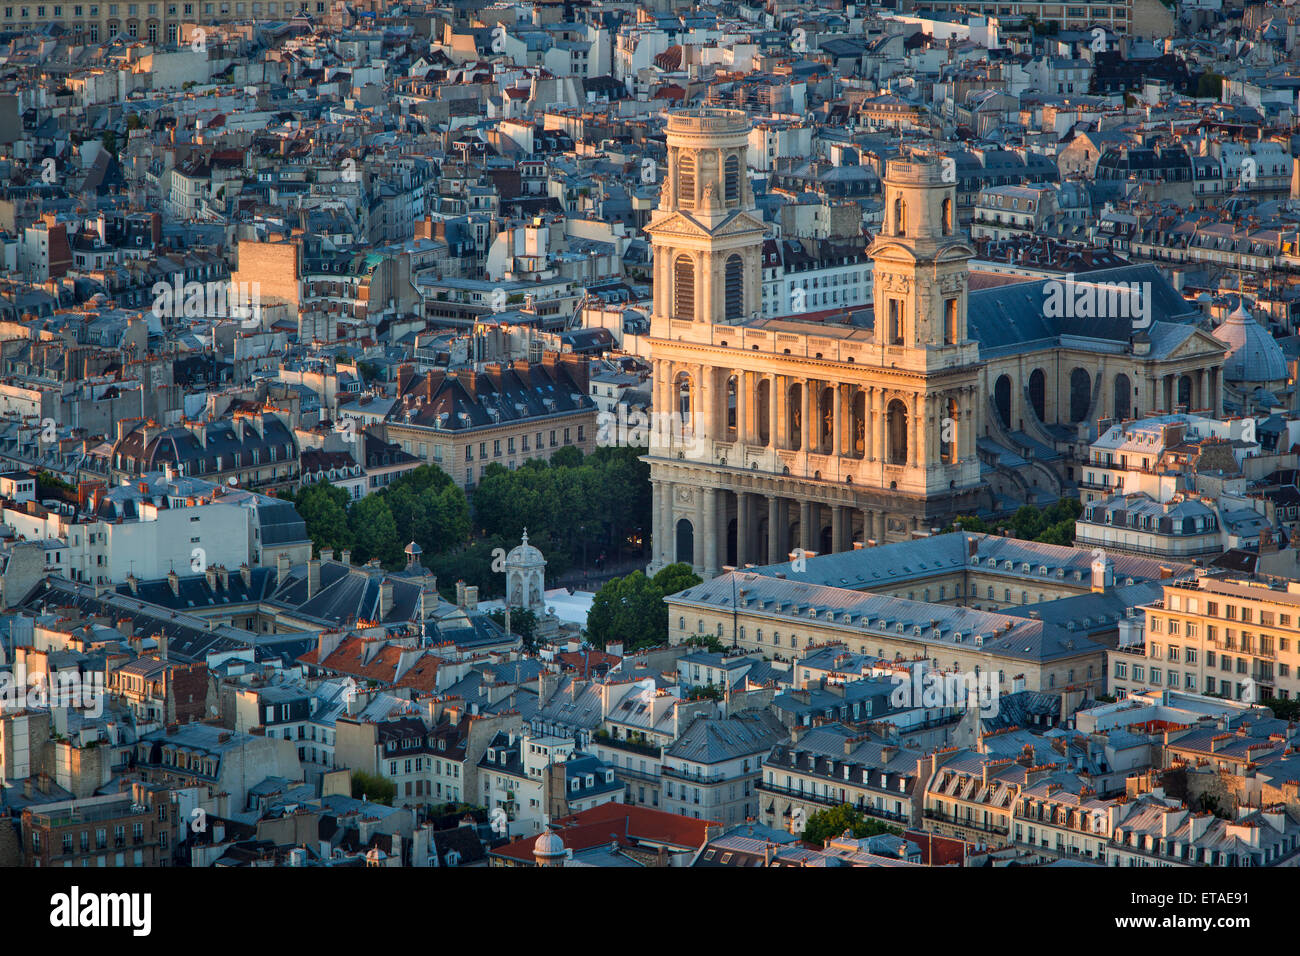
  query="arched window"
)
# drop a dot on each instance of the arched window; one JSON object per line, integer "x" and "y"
{"x": 1123, "y": 397}
{"x": 897, "y": 424}
{"x": 685, "y": 542}
{"x": 684, "y": 289}
{"x": 731, "y": 408}
{"x": 731, "y": 179}
{"x": 1038, "y": 393}
{"x": 1080, "y": 394}
{"x": 950, "y": 321}
{"x": 686, "y": 182}
{"x": 900, "y": 217}
{"x": 948, "y": 434}
{"x": 733, "y": 288}
{"x": 947, "y": 217}
{"x": 684, "y": 399}
{"x": 1002, "y": 399}
{"x": 895, "y": 322}
{"x": 1185, "y": 391}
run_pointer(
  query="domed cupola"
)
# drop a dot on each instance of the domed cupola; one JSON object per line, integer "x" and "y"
{"x": 1254, "y": 357}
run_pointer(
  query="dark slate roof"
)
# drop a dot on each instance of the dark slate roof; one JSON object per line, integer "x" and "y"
{"x": 1007, "y": 318}
{"x": 188, "y": 638}
{"x": 714, "y": 740}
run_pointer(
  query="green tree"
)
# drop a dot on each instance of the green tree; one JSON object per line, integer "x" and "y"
{"x": 1061, "y": 533}
{"x": 1283, "y": 709}
{"x": 429, "y": 509}
{"x": 374, "y": 532}
{"x": 629, "y": 609}
{"x": 472, "y": 564}
{"x": 1027, "y": 522}
{"x": 675, "y": 577}
{"x": 570, "y": 456}
{"x": 970, "y": 523}
{"x": 324, "y": 508}
{"x": 522, "y": 622}
{"x": 373, "y": 788}
{"x": 1209, "y": 85}
{"x": 833, "y": 821}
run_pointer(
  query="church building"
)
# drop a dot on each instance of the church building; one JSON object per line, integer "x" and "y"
{"x": 779, "y": 433}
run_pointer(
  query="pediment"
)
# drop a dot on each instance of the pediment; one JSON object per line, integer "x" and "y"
{"x": 1198, "y": 343}
{"x": 686, "y": 225}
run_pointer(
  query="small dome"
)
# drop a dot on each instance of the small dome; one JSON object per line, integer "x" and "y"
{"x": 414, "y": 548}
{"x": 549, "y": 845}
{"x": 1253, "y": 354}
{"x": 524, "y": 554}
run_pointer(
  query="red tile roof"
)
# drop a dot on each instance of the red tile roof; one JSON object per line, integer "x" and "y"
{"x": 629, "y": 825}
{"x": 350, "y": 658}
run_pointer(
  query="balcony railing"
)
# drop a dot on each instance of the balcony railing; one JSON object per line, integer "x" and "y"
{"x": 860, "y": 804}
{"x": 695, "y": 776}
{"x": 970, "y": 823}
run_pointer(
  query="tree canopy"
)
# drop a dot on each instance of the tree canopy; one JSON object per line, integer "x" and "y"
{"x": 424, "y": 505}
{"x": 631, "y": 609}
{"x": 575, "y": 507}
{"x": 833, "y": 821}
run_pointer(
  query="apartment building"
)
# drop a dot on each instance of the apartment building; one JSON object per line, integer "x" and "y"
{"x": 832, "y": 765}
{"x": 120, "y": 829}
{"x": 1238, "y": 639}
{"x": 712, "y": 770}
{"x": 1005, "y": 211}
{"x": 506, "y": 414}
{"x": 156, "y": 23}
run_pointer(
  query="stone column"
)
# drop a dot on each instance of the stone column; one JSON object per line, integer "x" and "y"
{"x": 805, "y": 525}
{"x": 708, "y": 536}
{"x": 773, "y": 537}
{"x": 968, "y": 400}
{"x": 702, "y": 407}
{"x": 744, "y": 413}
{"x": 783, "y": 528}
{"x": 742, "y": 528}
{"x": 1198, "y": 400}
{"x": 666, "y": 523}
{"x": 838, "y": 514}
{"x": 880, "y": 527}
{"x": 880, "y": 424}
{"x": 868, "y": 526}
{"x": 699, "y": 533}
{"x": 914, "y": 430}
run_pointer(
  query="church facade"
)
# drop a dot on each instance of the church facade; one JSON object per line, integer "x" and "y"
{"x": 776, "y": 434}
